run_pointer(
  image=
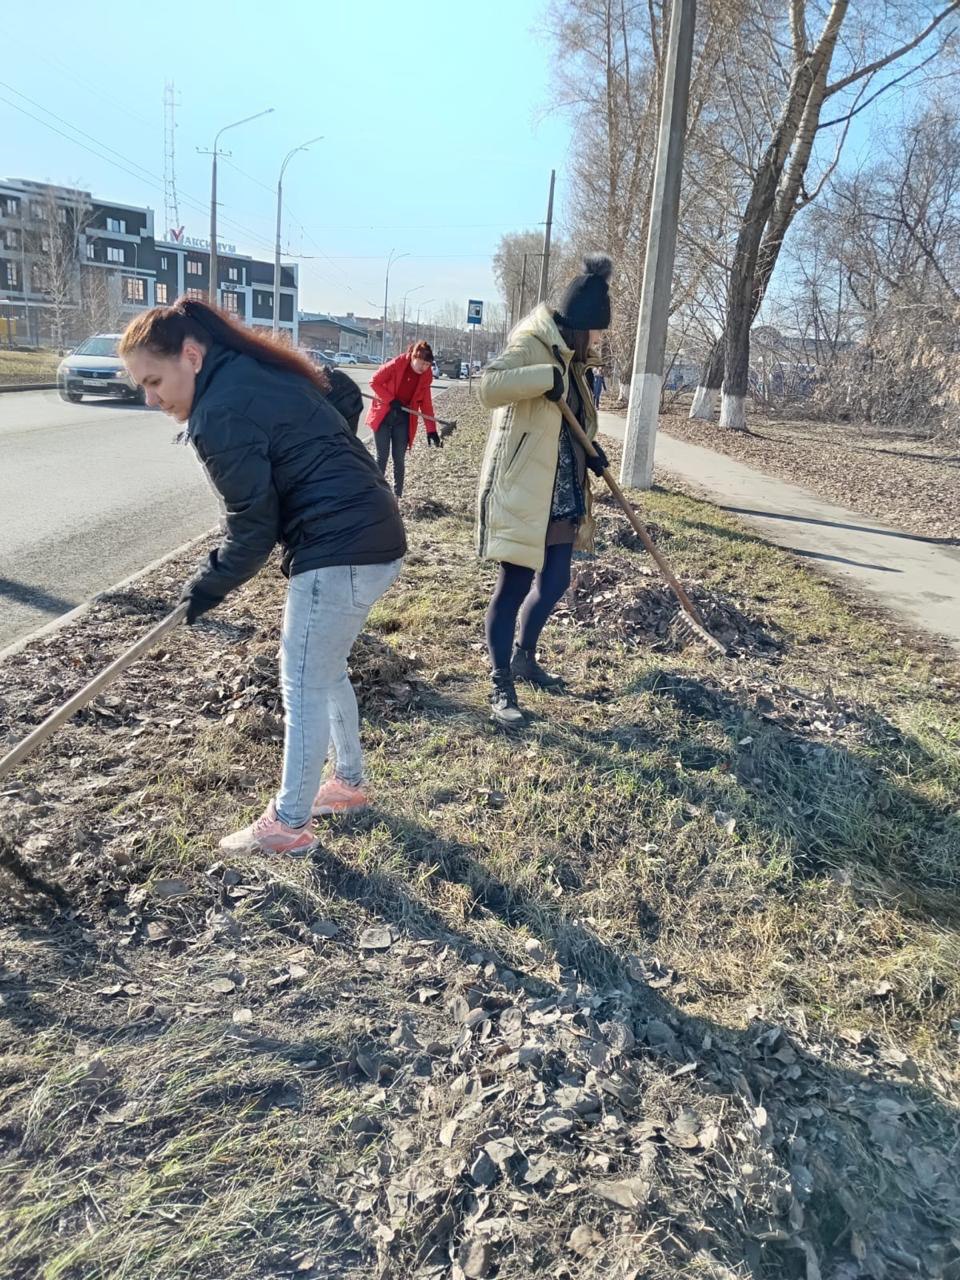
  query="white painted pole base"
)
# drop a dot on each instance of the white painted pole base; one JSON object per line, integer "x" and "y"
{"x": 704, "y": 404}
{"x": 640, "y": 436}
{"x": 733, "y": 412}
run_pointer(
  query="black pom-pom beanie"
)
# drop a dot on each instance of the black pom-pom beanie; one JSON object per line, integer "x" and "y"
{"x": 586, "y": 300}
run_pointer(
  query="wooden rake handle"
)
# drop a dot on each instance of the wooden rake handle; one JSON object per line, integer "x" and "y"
{"x": 449, "y": 423}
{"x": 90, "y": 691}
{"x": 640, "y": 529}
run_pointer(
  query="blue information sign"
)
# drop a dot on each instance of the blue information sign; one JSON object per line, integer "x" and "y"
{"x": 474, "y": 311}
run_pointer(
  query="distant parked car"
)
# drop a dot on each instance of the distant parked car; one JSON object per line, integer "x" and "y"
{"x": 95, "y": 369}
{"x": 344, "y": 357}
{"x": 436, "y": 369}
{"x": 464, "y": 369}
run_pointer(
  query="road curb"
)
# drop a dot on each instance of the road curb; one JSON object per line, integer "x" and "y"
{"x": 30, "y": 386}
{"x": 50, "y": 628}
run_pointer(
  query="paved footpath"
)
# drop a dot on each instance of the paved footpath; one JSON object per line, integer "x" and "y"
{"x": 916, "y": 578}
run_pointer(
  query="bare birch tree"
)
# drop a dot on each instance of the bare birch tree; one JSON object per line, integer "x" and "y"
{"x": 57, "y": 263}
{"x": 858, "y": 51}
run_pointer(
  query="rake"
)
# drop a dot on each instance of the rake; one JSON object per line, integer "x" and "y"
{"x": 690, "y": 616}
{"x": 42, "y": 732}
{"x": 447, "y": 425}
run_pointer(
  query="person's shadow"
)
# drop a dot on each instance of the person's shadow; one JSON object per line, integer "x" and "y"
{"x": 867, "y": 1166}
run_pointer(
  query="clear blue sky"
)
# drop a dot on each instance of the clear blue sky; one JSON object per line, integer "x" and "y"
{"x": 435, "y": 136}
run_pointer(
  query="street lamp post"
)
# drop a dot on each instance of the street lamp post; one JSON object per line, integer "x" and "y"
{"x": 386, "y": 289}
{"x": 425, "y": 303}
{"x": 213, "y": 198}
{"x": 403, "y": 314}
{"x": 276, "y": 264}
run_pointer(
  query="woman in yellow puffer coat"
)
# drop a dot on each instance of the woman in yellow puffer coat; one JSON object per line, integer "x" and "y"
{"x": 533, "y": 504}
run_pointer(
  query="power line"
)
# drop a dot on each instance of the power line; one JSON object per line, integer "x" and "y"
{"x": 137, "y": 171}
{"x": 141, "y": 176}
{"x": 62, "y": 69}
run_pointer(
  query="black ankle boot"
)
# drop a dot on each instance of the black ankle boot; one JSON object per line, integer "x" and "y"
{"x": 524, "y": 666}
{"x": 503, "y": 701}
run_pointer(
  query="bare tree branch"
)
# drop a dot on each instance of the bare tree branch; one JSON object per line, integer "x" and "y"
{"x": 878, "y": 65}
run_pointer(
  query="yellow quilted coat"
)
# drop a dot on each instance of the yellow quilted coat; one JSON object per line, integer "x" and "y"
{"x": 520, "y": 462}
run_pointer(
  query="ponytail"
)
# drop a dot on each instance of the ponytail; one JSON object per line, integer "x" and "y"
{"x": 163, "y": 330}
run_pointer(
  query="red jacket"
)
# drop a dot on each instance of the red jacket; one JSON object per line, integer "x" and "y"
{"x": 386, "y": 384}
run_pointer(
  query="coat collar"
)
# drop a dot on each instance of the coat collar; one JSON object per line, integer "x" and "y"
{"x": 541, "y": 324}
{"x": 214, "y": 360}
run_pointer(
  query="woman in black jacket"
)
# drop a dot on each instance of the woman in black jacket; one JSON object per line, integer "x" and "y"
{"x": 289, "y": 471}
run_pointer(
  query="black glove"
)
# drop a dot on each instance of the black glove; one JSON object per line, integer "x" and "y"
{"x": 433, "y": 437}
{"x": 556, "y": 391}
{"x": 599, "y": 463}
{"x": 396, "y": 404}
{"x": 198, "y": 602}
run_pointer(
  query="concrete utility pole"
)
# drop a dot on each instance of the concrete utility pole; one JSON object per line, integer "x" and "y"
{"x": 276, "y": 262}
{"x": 636, "y": 467}
{"x": 212, "y": 291}
{"x": 545, "y": 261}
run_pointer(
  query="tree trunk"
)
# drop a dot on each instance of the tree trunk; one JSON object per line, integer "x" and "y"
{"x": 788, "y": 192}
{"x": 760, "y": 206}
{"x": 707, "y": 394}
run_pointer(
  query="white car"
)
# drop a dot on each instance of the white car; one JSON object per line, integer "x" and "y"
{"x": 95, "y": 369}
{"x": 344, "y": 357}
{"x": 464, "y": 369}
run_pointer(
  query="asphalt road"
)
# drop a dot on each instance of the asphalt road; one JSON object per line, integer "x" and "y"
{"x": 89, "y": 494}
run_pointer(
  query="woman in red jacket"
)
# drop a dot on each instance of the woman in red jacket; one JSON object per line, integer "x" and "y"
{"x": 402, "y": 383}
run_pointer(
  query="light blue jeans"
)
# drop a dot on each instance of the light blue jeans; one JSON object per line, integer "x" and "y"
{"x": 324, "y": 613}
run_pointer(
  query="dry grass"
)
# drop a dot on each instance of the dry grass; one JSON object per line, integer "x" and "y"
{"x": 711, "y": 904}
{"x": 27, "y": 366}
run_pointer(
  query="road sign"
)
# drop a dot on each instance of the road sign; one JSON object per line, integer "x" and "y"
{"x": 474, "y": 311}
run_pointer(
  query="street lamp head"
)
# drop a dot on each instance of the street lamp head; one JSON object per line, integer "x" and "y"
{"x": 290, "y": 154}
{"x": 245, "y": 120}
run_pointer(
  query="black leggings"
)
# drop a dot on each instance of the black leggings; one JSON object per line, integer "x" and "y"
{"x": 512, "y": 597}
{"x": 393, "y": 432}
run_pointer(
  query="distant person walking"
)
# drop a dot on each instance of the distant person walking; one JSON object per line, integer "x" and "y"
{"x": 599, "y": 386}
{"x": 402, "y": 384}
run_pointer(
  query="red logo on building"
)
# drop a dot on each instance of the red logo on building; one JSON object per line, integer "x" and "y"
{"x": 176, "y": 233}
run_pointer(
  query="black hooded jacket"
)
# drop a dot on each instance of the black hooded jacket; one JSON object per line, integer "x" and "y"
{"x": 289, "y": 471}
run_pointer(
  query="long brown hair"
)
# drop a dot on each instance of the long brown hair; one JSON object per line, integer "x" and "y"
{"x": 163, "y": 330}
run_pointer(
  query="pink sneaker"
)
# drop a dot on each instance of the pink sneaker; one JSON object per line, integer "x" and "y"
{"x": 269, "y": 835}
{"x": 335, "y": 796}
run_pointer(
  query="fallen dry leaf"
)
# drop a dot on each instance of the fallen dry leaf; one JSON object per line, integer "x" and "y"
{"x": 584, "y": 1239}
{"x": 627, "y": 1193}
{"x": 475, "y": 1257}
{"x": 376, "y": 938}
